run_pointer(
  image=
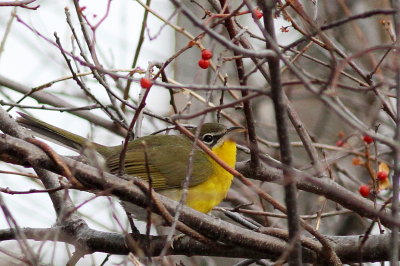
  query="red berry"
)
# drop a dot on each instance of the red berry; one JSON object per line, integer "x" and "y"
{"x": 340, "y": 143}
{"x": 368, "y": 139}
{"x": 381, "y": 175}
{"x": 206, "y": 54}
{"x": 204, "y": 63}
{"x": 146, "y": 83}
{"x": 257, "y": 13}
{"x": 364, "y": 190}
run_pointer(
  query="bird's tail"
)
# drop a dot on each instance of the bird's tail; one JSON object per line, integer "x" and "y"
{"x": 55, "y": 134}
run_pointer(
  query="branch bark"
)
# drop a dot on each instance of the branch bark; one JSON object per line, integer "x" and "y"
{"x": 283, "y": 135}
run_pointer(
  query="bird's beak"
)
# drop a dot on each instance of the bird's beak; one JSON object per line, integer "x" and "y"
{"x": 236, "y": 129}
{"x": 232, "y": 131}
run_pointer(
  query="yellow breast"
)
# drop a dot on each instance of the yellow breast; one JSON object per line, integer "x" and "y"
{"x": 207, "y": 195}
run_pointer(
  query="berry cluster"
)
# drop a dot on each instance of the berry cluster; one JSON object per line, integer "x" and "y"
{"x": 206, "y": 55}
{"x": 365, "y": 190}
{"x": 379, "y": 180}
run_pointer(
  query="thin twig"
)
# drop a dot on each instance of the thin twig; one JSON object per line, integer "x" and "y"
{"x": 248, "y": 111}
{"x": 20, "y": 3}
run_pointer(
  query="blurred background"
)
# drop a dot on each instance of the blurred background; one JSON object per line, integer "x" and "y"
{"x": 28, "y": 57}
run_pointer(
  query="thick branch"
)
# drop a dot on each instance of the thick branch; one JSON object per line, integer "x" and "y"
{"x": 321, "y": 186}
{"x": 376, "y": 248}
{"x": 283, "y": 135}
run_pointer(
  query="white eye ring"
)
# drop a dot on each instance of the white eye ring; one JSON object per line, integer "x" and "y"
{"x": 208, "y": 138}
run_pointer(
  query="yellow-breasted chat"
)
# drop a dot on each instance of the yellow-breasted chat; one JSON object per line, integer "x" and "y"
{"x": 167, "y": 160}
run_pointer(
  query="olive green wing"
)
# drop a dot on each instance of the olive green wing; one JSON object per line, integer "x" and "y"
{"x": 173, "y": 163}
{"x": 168, "y": 161}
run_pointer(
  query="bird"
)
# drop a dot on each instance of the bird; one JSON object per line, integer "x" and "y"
{"x": 165, "y": 158}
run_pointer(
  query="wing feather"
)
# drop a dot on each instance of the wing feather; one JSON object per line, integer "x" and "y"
{"x": 168, "y": 161}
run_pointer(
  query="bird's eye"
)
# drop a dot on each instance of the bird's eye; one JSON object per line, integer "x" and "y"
{"x": 207, "y": 138}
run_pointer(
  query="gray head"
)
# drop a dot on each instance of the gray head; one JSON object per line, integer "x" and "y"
{"x": 214, "y": 133}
